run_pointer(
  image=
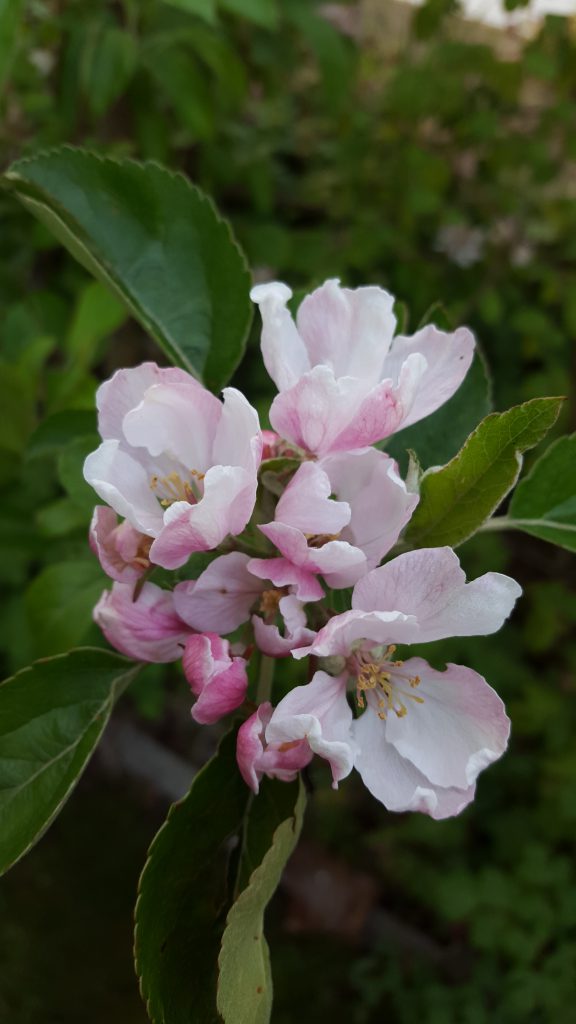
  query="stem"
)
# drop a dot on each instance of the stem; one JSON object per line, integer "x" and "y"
{"x": 265, "y": 679}
{"x": 497, "y": 523}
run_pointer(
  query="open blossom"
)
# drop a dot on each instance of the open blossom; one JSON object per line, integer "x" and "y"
{"x": 218, "y": 680}
{"x": 337, "y": 518}
{"x": 177, "y": 463}
{"x": 424, "y": 736}
{"x": 344, "y": 380}
{"x": 143, "y": 626}
{"x": 121, "y": 550}
{"x": 309, "y": 720}
{"x": 267, "y": 635}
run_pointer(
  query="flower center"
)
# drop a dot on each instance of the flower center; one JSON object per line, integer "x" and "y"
{"x": 172, "y": 487}
{"x": 317, "y": 540}
{"x": 392, "y": 687}
{"x": 269, "y": 602}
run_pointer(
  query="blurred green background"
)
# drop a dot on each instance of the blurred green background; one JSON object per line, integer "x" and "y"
{"x": 379, "y": 145}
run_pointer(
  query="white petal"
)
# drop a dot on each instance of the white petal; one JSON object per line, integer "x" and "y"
{"x": 283, "y": 350}
{"x": 124, "y": 484}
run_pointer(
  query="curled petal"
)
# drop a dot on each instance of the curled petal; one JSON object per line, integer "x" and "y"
{"x": 255, "y": 758}
{"x": 147, "y": 627}
{"x": 296, "y": 634}
{"x": 121, "y": 550}
{"x": 283, "y": 350}
{"x": 283, "y": 573}
{"x": 218, "y": 681}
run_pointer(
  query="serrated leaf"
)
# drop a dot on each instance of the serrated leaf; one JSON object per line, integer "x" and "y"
{"x": 184, "y": 895}
{"x": 157, "y": 241}
{"x": 438, "y": 437}
{"x": 51, "y": 718}
{"x": 544, "y": 503}
{"x": 245, "y": 981}
{"x": 457, "y": 499}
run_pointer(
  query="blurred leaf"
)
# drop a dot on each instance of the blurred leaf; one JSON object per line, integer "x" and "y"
{"x": 59, "y": 603}
{"x": 11, "y": 12}
{"x": 60, "y": 518}
{"x": 438, "y": 437}
{"x": 157, "y": 241}
{"x": 56, "y": 431}
{"x": 107, "y": 65}
{"x": 51, "y": 718}
{"x": 332, "y": 51}
{"x": 70, "y": 465}
{"x": 201, "y": 8}
{"x": 457, "y": 499}
{"x": 272, "y": 830}
{"x": 544, "y": 502}
{"x": 16, "y": 409}
{"x": 263, "y": 12}
{"x": 98, "y": 313}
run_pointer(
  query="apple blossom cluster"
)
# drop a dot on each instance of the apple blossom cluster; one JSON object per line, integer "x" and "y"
{"x": 289, "y": 517}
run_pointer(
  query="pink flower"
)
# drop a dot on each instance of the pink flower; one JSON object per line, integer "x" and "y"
{"x": 122, "y": 551}
{"x": 424, "y": 736}
{"x": 145, "y": 627}
{"x": 312, "y": 719}
{"x": 344, "y": 382}
{"x": 217, "y": 680}
{"x": 340, "y": 539}
{"x": 177, "y": 463}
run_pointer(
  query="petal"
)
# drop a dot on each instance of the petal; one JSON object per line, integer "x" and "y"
{"x": 238, "y": 440}
{"x": 124, "y": 484}
{"x": 225, "y": 508}
{"x": 283, "y": 573}
{"x": 460, "y": 728}
{"x": 306, "y": 504}
{"x": 380, "y": 503}
{"x": 317, "y": 409}
{"x": 430, "y": 585}
{"x": 320, "y": 714}
{"x": 117, "y": 546}
{"x": 268, "y": 637}
{"x": 147, "y": 629}
{"x": 378, "y": 415}
{"x": 218, "y": 681}
{"x": 178, "y": 420}
{"x": 349, "y": 330}
{"x": 125, "y": 390}
{"x": 342, "y": 632}
{"x": 448, "y": 358}
{"x": 283, "y": 350}
{"x": 250, "y": 745}
{"x": 394, "y": 781}
{"x": 222, "y": 596}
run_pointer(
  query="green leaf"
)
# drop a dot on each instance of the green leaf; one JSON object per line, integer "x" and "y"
{"x": 10, "y": 20}
{"x": 98, "y": 313}
{"x": 17, "y": 402}
{"x": 184, "y": 895}
{"x": 205, "y": 9}
{"x": 263, "y": 12}
{"x": 70, "y": 463}
{"x": 544, "y": 503}
{"x": 59, "y": 605}
{"x": 58, "y": 430}
{"x": 456, "y": 500}
{"x": 272, "y": 831}
{"x": 107, "y": 65}
{"x": 157, "y": 241}
{"x": 438, "y": 437}
{"x": 215, "y": 843}
{"x": 51, "y": 718}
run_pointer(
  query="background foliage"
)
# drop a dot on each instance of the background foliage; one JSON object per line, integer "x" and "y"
{"x": 442, "y": 169}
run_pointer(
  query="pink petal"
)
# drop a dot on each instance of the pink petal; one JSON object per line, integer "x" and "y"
{"x": 177, "y": 419}
{"x": 318, "y": 713}
{"x": 394, "y": 781}
{"x": 255, "y": 759}
{"x": 448, "y": 358}
{"x": 238, "y": 440}
{"x": 317, "y": 409}
{"x": 283, "y": 350}
{"x": 268, "y": 638}
{"x": 342, "y": 632}
{"x": 460, "y": 728}
{"x": 222, "y": 596}
{"x": 283, "y": 573}
{"x": 121, "y": 550}
{"x": 349, "y": 330}
{"x": 125, "y": 390}
{"x": 147, "y": 629}
{"x": 225, "y": 508}
{"x": 430, "y": 585}
{"x": 219, "y": 681}
{"x": 306, "y": 504}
